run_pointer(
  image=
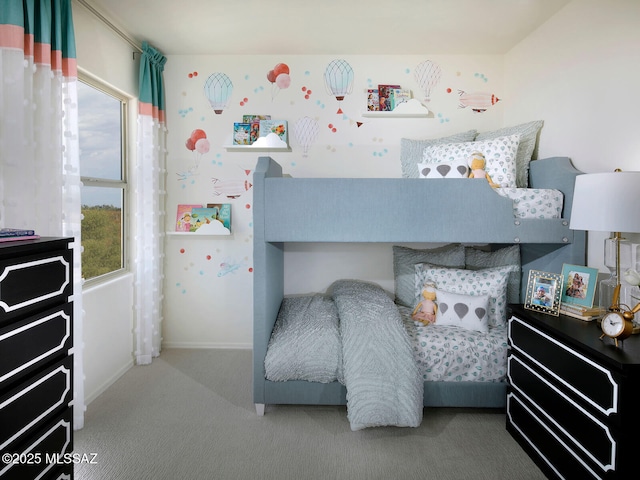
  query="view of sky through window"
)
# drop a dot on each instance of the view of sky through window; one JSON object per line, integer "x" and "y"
{"x": 99, "y": 121}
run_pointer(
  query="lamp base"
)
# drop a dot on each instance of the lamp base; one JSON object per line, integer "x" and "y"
{"x": 606, "y": 288}
{"x": 628, "y": 297}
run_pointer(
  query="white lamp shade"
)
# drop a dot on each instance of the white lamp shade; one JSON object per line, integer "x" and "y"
{"x": 607, "y": 202}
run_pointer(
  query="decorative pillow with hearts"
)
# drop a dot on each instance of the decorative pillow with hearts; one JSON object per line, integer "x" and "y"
{"x": 455, "y": 169}
{"x": 470, "y": 312}
{"x": 486, "y": 281}
{"x": 499, "y": 153}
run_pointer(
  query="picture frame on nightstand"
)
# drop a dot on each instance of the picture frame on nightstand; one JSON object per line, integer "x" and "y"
{"x": 544, "y": 291}
{"x": 579, "y": 285}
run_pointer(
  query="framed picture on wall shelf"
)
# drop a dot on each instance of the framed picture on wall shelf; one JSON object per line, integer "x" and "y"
{"x": 373, "y": 102}
{"x": 183, "y": 216}
{"x": 279, "y": 127}
{"x": 384, "y": 97}
{"x": 543, "y": 292}
{"x": 241, "y": 133}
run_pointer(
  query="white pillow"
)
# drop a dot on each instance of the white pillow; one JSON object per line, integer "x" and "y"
{"x": 411, "y": 151}
{"x": 499, "y": 153}
{"x": 487, "y": 281}
{"x": 528, "y": 136}
{"x": 467, "y": 311}
{"x": 455, "y": 169}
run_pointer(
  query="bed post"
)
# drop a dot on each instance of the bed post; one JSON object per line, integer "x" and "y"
{"x": 268, "y": 279}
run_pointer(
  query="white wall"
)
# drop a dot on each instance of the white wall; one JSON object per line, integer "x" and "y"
{"x": 204, "y": 305}
{"x": 108, "y": 308}
{"x": 578, "y": 72}
{"x": 108, "y": 339}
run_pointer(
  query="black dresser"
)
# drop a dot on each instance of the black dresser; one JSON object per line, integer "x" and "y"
{"x": 573, "y": 401}
{"x": 36, "y": 367}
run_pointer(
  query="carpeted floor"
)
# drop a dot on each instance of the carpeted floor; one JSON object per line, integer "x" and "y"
{"x": 189, "y": 416}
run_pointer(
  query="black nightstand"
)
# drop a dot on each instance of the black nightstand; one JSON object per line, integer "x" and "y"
{"x": 570, "y": 401}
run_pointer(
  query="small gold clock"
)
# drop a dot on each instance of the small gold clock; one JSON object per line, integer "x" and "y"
{"x": 616, "y": 323}
{"x": 616, "y": 326}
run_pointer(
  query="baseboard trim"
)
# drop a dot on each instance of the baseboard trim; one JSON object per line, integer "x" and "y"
{"x": 236, "y": 346}
{"x": 91, "y": 397}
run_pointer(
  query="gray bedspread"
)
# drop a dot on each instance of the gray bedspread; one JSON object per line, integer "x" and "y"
{"x": 305, "y": 342}
{"x": 383, "y": 384}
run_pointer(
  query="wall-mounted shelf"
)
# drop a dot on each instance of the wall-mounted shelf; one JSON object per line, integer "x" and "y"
{"x": 270, "y": 143}
{"x": 244, "y": 148}
{"x": 195, "y": 234}
{"x": 411, "y": 109}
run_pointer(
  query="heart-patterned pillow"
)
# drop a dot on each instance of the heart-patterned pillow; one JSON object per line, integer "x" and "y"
{"x": 456, "y": 169}
{"x": 466, "y": 311}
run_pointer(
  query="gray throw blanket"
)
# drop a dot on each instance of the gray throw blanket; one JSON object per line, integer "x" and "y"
{"x": 382, "y": 380}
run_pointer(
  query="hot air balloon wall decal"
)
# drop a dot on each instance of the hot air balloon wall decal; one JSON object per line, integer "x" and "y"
{"x": 217, "y": 89}
{"x": 338, "y": 78}
{"x": 306, "y": 131}
{"x": 427, "y": 74}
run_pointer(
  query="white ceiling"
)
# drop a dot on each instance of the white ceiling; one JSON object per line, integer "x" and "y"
{"x": 304, "y": 27}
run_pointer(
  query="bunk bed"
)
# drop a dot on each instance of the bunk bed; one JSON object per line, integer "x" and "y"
{"x": 286, "y": 210}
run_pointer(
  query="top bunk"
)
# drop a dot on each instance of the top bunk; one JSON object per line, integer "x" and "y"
{"x": 404, "y": 210}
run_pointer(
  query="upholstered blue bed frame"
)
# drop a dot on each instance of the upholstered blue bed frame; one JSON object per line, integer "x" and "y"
{"x": 286, "y": 210}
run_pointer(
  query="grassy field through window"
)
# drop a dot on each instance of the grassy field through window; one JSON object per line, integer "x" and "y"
{"x": 102, "y": 240}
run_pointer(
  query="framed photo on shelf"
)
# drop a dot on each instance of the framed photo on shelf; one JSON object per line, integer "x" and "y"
{"x": 579, "y": 285}
{"x": 543, "y": 292}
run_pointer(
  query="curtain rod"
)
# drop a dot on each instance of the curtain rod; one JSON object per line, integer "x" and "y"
{"x": 103, "y": 19}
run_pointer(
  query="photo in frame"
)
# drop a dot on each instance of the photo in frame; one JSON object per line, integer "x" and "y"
{"x": 543, "y": 292}
{"x": 579, "y": 285}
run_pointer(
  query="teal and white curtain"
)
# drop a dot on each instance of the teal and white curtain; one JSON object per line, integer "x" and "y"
{"x": 39, "y": 161}
{"x": 150, "y": 213}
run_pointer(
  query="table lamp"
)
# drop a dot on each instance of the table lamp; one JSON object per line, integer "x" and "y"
{"x": 607, "y": 202}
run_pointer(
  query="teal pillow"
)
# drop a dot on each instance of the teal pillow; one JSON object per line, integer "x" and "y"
{"x": 476, "y": 258}
{"x": 405, "y": 259}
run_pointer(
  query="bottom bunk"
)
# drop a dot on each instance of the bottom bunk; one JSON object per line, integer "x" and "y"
{"x": 458, "y": 367}
{"x": 357, "y": 346}
{"x": 455, "y": 358}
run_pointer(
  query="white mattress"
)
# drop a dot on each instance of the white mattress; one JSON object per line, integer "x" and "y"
{"x": 534, "y": 202}
{"x": 454, "y": 354}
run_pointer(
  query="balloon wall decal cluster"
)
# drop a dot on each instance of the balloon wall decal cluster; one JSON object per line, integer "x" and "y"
{"x": 218, "y": 89}
{"x": 198, "y": 142}
{"x": 279, "y": 78}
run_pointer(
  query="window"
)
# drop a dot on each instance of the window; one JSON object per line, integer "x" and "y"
{"x": 102, "y": 115}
